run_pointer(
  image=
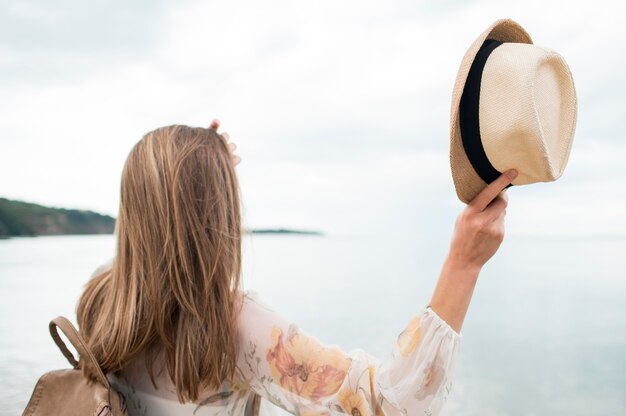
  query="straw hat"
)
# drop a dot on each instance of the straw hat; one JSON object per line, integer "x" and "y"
{"x": 524, "y": 97}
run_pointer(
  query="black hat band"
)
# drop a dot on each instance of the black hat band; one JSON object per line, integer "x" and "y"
{"x": 468, "y": 115}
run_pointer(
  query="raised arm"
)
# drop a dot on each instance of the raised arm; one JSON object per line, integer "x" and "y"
{"x": 478, "y": 233}
{"x": 297, "y": 372}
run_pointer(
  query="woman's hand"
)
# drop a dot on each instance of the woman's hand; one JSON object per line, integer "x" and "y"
{"x": 479, "y": 229}
{"x": 477, "y": 235}
{"x": 231, "y": 146}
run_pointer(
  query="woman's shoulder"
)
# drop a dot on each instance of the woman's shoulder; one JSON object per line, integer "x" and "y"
{"x": 248, "y": 295}
{"x": 251, "y": 300}
{"x": 256, "y": 316}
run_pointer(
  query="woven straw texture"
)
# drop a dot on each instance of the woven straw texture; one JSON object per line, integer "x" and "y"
{"x": 527, "y": 112}
{"x": 467, "y": 183}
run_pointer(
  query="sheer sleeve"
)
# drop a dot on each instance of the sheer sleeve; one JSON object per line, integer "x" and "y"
{"x": 300, "y": 374}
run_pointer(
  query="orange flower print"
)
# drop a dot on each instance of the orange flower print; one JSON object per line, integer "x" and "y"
{"x": 410, "y": 337}
{"x": 433, "y": 377}
{"x": 375, "y": 404}
{"x": 303, "y": 366}
{"x": 354, "y": 403}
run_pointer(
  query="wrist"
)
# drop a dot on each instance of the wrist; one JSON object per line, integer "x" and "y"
{"x": 453, "y": 292}
{"x": 459, "y": 267}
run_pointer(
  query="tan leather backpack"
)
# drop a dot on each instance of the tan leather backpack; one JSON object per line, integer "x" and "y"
{"x": 68, "y": 392}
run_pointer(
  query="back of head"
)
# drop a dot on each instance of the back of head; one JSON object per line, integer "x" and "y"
{"x": 172, "y": 286}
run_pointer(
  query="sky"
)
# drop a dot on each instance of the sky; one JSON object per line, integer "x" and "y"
{"x": 340, "y": 109}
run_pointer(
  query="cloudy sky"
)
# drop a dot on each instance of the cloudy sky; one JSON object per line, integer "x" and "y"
{"x": 340, "y": 108}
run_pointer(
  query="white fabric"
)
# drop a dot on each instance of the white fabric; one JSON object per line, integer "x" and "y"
{"x": 293, "y": 370}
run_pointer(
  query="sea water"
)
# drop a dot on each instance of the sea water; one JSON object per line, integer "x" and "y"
{"x": 545, "y": 333}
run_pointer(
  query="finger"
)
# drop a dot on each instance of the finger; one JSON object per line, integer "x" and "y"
{"x": 215, "y": 124}
{"x": 500, "y": 218}
{"x": 232, "y": 147}
{"x": 226, "y": 136}
{"x": 236, "y": 159}
{"x": 495, "y": 208}
{"x": 492, "y": 190}
{"x": 504, "y": 194}
{"x": 501, "y": 224}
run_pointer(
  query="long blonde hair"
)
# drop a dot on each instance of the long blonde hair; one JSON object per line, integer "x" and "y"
{"x": 173, "y": 284}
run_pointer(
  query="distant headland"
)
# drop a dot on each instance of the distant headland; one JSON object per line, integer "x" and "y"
{"x": 285, "y": 231}
{"x": 19, "y": 218}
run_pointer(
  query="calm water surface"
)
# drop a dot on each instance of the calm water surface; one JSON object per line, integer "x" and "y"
{"x": 545, "y": 334}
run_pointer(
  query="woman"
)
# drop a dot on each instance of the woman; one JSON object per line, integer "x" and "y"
{"x": 167, "y": 321}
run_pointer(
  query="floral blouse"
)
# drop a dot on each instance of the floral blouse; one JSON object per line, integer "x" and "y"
{"x": 297, "y": 372}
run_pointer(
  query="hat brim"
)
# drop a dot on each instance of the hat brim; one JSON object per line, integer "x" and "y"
{"x": 467, "y": 183}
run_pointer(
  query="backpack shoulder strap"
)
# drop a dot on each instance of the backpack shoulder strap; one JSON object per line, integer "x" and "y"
{"x": 79, "y": 343}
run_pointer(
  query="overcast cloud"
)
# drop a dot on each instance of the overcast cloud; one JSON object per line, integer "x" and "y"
{"x": 340, "y": 109}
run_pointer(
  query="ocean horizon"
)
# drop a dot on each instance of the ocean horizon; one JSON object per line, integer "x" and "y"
{"x": 544, "y": 334}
